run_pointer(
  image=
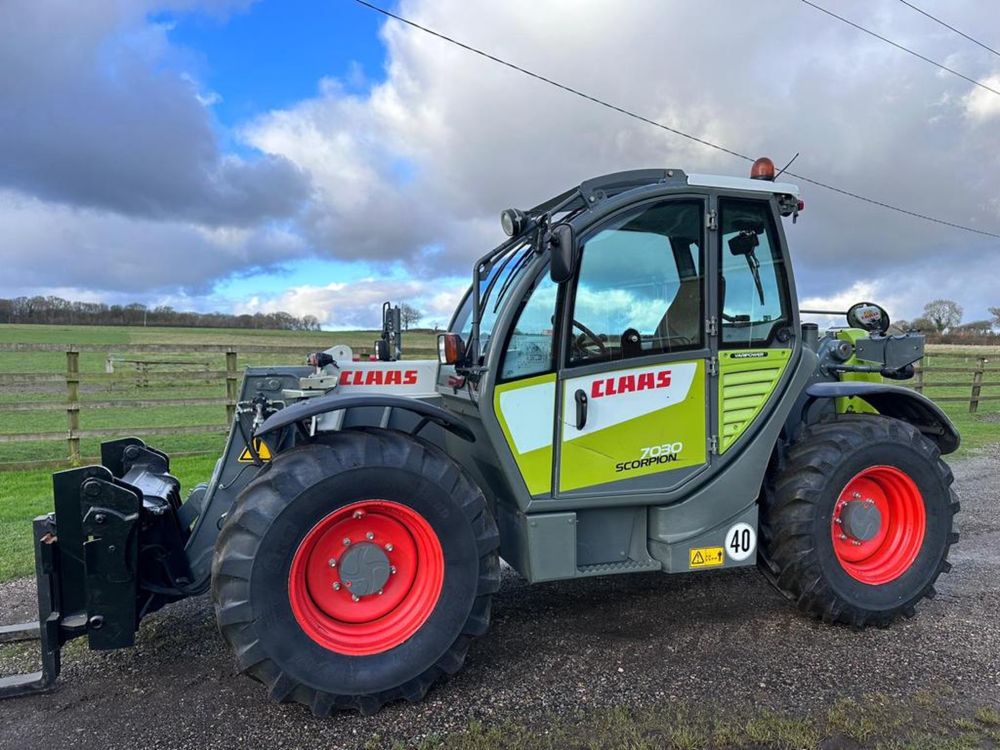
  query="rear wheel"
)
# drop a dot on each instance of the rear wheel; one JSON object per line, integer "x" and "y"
{"x": 857, "y": 522}
{"x": 355, "y": 571}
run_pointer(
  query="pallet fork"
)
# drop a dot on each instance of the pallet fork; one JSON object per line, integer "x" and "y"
{"x": 47, "y": 630}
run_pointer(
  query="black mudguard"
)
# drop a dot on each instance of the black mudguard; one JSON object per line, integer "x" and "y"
{"x": 899, "y": 402}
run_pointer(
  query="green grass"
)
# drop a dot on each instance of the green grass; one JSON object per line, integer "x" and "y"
{"x": 24, "y": 494}
{"x": 919, "y": 722}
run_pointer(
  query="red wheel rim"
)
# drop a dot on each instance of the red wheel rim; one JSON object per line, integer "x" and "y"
{"x": 896, "y": 542}
{"x": 359, "y": 547}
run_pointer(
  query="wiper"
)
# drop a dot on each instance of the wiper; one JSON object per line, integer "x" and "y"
{"x": 754, "y": 265}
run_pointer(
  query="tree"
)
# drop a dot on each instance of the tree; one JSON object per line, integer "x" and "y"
{"x": 995, "y": 312}
{"x": 921, "y": 324}
{"x": 943, "y": 313}
{"x": 409, "y": 314}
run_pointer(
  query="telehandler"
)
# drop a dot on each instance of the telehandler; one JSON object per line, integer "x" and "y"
{"x": 626, "y": 387}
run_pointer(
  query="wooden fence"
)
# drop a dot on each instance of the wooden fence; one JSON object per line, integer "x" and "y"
{"x": 143, "y": 376}
{"x": 974, "y": 382}
{"x": 974, "y": 387}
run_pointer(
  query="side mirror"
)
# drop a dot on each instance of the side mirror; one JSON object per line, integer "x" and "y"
{"x": 869, "y": 316}
{"x": 562, "y": 249}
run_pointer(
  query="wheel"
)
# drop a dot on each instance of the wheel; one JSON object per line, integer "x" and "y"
{"x": 857, "y": 523}
{"x": 354, "y": 571}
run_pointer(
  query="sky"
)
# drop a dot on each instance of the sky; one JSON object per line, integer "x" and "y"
{"x": 316, "y": 158}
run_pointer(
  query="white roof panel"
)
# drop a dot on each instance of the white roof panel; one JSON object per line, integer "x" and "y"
{"x": 742, "y": 183}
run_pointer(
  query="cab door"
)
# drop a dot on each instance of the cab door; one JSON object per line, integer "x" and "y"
{"x": 632, "y": 392}
{"x": 755, "y": 317}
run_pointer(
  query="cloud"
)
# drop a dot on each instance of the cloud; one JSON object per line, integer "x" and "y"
{"x": 96, "y": 113}
{"x": 45, "y": 245}
{"x": 358, "y": 304}
{"x": 417, "y": 168}
{"x": 113, "y": 176}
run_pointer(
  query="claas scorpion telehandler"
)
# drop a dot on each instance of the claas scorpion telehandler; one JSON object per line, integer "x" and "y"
{"x": 626, "y": 387}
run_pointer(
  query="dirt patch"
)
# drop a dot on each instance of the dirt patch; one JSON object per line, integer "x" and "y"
{"x": 723, "y": 642}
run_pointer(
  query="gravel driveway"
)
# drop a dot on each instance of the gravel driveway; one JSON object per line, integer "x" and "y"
{"x": 723, "y": 641}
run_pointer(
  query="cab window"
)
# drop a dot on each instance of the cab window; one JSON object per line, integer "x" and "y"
{"x": 530, "y": 346}
{"x": 639, "y": 289}
{"x": 752, "y": 286}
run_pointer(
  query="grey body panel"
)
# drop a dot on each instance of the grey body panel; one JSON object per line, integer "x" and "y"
{"x": 314, "y": 407}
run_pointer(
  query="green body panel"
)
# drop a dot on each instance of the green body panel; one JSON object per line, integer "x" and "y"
{"x": 535, "y": 465}
{"x": 852, "y": 404}
{"x": 594, "y": 458}
{"x": 746, "y": 381}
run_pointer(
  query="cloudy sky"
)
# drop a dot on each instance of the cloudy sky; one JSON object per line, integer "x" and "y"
{"x": 312, "y": 157}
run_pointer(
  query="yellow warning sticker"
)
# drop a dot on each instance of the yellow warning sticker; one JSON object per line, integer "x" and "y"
{"x": 262, "y": 451}
{"x": 706, "y": 557}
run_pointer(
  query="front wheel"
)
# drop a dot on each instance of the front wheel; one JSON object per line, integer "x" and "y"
{"x": 354, "y": 571}
{"x": 857, "y": 523}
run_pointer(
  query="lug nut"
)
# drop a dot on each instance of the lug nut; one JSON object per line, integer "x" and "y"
{"x": 843, "y": 537}
{"x": 857, "y": 495}
{"x": 369, "y": 536}
{"x": 389, "y": 547}
{"x": 835, "y": 520}
{"x": 380, "y": 592}
{"x": 96, "y": 622}
{"x": 332, "y": 563}
{"x": 392, "y": 569}
{"x": 100, "y": 518}
{"x": 355, "y": 598}
{"x": 870, "y": 501}
{"x": 855, "y": 542}
{"x": 336, "y": 585}
{"x": 359, "y": 514}
{"x": 347, "y": 541}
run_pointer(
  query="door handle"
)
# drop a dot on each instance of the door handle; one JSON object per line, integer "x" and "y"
{"x": 581, "y": 408}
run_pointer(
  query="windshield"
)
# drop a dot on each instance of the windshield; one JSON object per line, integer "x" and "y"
{"x": 494, "y": 291}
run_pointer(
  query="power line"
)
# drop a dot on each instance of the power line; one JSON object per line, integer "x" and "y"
{"x": 898, "y": 46}
{"x": 675, "y": 131}
{"x": 949, "y": 26}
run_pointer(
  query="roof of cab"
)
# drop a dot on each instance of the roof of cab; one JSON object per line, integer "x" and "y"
{"x": 742, "y": 183}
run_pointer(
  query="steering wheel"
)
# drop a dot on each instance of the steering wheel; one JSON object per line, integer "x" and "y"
{"x": 588, "y": 340}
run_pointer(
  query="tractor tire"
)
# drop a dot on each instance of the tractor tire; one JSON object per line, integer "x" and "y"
{"x": 857, "y": 520}
{"x": 355, "y": 571}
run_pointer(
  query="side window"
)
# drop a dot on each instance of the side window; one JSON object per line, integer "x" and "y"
{"x": 639, "y": 289}
{"x": 752, "y": 288}
{"x": 529, "y": 349}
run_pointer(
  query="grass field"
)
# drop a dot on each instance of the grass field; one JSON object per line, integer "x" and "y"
{"x": 24, "y": 494}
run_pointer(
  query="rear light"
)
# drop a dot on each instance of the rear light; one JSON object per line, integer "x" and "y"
{"x": 451, "y": 348}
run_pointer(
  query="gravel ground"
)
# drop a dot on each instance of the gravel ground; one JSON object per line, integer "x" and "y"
{"x": 722, "y": 641}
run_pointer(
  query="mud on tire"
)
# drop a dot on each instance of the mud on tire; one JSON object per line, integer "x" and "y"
{"x": 801, "y": 496}
{"x": 301, "y": 487}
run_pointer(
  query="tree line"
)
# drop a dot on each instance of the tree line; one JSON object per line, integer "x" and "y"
{"x": 59, "y": 311}
{"x": 943, "y": 317}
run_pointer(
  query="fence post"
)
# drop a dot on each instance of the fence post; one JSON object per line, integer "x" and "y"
{"x": 231, "y": 382}
{"x": 73, "y": 403}
{"x": 977, "y": 386}
{"x": 918, "y": 377}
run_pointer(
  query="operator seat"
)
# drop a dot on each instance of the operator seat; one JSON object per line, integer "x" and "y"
{"x": 682, "y": 320}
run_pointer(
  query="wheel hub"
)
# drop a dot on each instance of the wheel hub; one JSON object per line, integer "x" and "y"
{"x": 366, "y": 577}
{"x": 879, "y": 523}
{"x": 861, "y": 519}
{"x": 364, "y": 568}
